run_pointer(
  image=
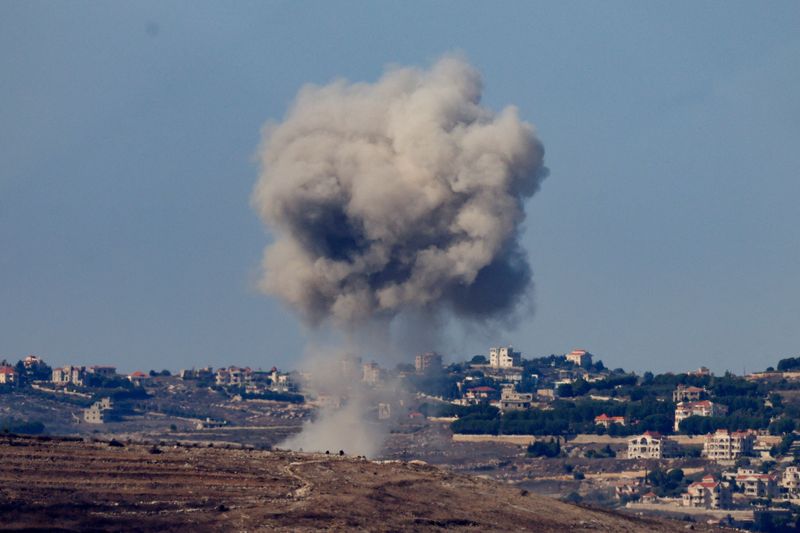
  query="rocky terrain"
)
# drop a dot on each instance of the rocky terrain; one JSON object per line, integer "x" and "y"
{"x": 54, "y": 484}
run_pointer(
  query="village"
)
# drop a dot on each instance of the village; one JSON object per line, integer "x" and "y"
{"x": 692, "y": 445}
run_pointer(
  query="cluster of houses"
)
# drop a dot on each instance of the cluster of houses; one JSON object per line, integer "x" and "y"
{"x": 721, "y": 446}
{"x": 723, "y": 491}
{"x": 60, "y": 378}
{"x": 77, "y": 375}
{"x": 253, "y": 381}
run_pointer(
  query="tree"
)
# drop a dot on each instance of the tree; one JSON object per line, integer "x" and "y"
{"x": 790, "y": 363}
{"x": 551, "y": 448}
{"x": 478, "y": 360}
{"x": 565, "y": 390}
{"x": 782, "y": 426}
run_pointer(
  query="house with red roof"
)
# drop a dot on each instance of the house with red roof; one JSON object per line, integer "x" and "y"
{"x": 650, "y": 497}
{"x": 138, "y": 378}
{"x": 8, "y": 375}
{"x": 755, "y": 484}
{"x": 606, "y": 421}
{"x": 708, "y": 494}
{"x": 482, "y": 394}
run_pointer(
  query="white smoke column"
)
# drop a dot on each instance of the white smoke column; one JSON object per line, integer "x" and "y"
{"x": 352, "y": 426}
{"x": 405, "y": 194}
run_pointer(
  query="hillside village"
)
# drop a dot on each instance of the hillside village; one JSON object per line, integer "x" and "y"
{"x": 692, "y": 445}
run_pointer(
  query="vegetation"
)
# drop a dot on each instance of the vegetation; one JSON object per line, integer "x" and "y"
{"x": 550, "y": 448}
{"x": 789, "y": 364}
{"x": 667, "y": 483}
{"x": 24, "y": 427}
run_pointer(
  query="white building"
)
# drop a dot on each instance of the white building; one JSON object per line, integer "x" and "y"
{"x": 708, "y": 494}
{"x": 651, "y": 445}
{"x": 687, "y": 394}
{"x": 791, "y": 480}
{"x": 504, "y": 357}
{"x": 579, "y": 357}
{"x": 755, "y": 484}
{"x": 723, "y": 445}
{"x": 69, "y": 374}
{"x": 371, "y": 373}
{"x": 511, "y": 399}
{"x": 105, "y": 371}
{"x": 233, "y": 376}
{"x": 703, "y": 408}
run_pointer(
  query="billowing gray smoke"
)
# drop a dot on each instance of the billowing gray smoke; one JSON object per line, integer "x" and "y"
{"x": 399, "y": 195}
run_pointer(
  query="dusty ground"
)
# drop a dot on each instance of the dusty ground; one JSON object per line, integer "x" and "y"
{"x": 69, "y": 485}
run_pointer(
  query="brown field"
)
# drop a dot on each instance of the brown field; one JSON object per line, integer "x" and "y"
{"x": 69, "y": 485}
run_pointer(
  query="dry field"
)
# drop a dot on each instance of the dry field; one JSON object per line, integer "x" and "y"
{"x": 68, "y": 485}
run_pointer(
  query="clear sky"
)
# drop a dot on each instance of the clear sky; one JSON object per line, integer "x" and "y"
{"x": 666, "y": 236}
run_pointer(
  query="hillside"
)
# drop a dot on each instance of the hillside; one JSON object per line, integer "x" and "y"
{"x": 68, "y": 485}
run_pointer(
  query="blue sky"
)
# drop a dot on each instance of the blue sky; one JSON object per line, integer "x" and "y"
{"x": 665, "y": 237}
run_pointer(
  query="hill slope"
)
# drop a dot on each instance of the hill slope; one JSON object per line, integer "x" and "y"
{"x": 66, "y": 485}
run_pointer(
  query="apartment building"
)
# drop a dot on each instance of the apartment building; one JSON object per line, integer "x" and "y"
{"x": 724, "y": 445}
{"x": 755, "y": 484}
{"x": 427, "y": 362}
{"x": 74, "y": 375}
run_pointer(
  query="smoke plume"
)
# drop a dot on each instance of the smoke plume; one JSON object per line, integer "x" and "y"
{"x": 403, "y": 194}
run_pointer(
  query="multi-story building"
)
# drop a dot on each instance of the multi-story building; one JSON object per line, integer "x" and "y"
{"x": 233, "y": 376}
{"x": 651, "y": 445}
{"x": 708, "y": 494}
{"x": 105, "y": 371}
{"x": 504, "y": 357}
{"x": 427, "y": 362}
{"x": 510, "y": 399}
{"x": 579, "y": 357}
{"x": 203, "y": 374}
{"x": 724, "y": 445}
{"x": 100, "y": 412}
{"x": 7, "y": 375}
{"x": 702, "y": 408}
{"x": 74, "y": 375}
{"x": 687, "y": 394}
{"x": 280, "y": 382}
{"x": 371, "y": 373}
{"x": 755, "y": 484}
{"x": 790, "y": 480}
{"x": 606, "y": 421}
